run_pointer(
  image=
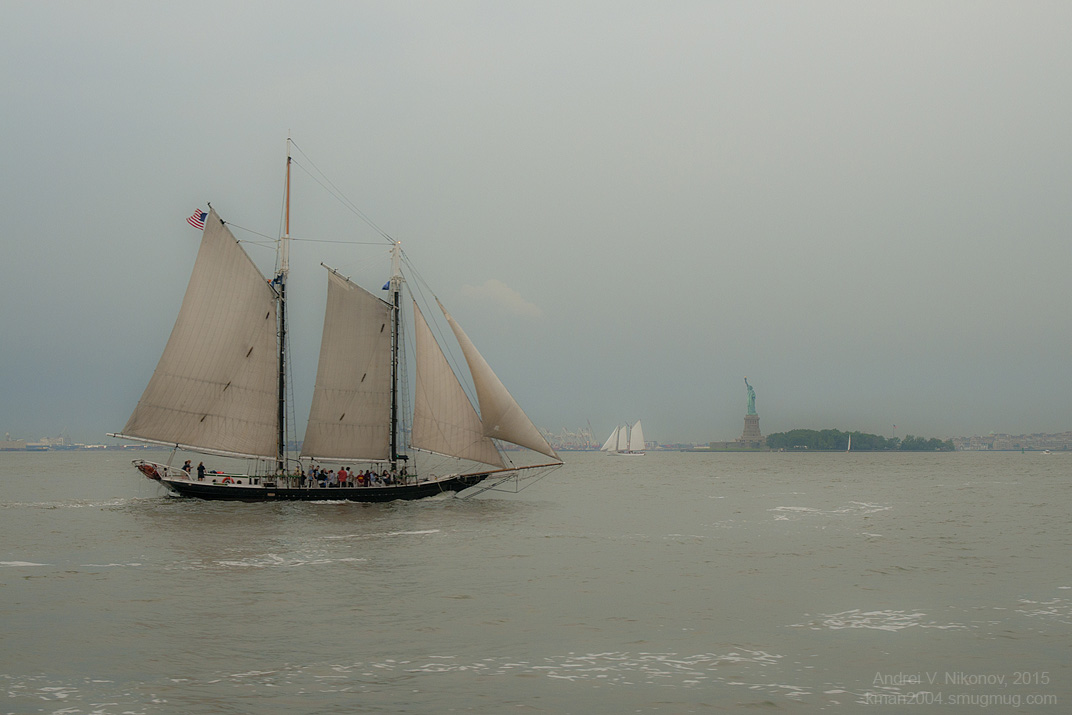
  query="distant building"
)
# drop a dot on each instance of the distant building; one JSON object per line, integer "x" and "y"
{"x": 1061, "y": 441}
{"x": 8, "y": 444}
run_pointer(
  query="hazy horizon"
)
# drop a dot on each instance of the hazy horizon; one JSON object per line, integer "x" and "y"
{"x": 630, "y": 207}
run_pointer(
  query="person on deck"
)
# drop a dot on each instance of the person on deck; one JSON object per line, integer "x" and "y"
{"x": 200, "y": 471}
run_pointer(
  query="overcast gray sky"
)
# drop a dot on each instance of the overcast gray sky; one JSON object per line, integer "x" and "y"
{"x": 863, "y": 207}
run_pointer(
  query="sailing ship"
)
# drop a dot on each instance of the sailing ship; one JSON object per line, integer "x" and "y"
{"x": 625, "y": 440}
{"x": 221, "y": 388}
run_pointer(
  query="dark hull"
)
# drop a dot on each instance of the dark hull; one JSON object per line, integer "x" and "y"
{"x": 231, "y": 492}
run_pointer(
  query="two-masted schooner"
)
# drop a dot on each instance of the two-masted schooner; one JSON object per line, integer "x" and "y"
{"x": 625, "y": 441}
{"x": 220, "y": 388}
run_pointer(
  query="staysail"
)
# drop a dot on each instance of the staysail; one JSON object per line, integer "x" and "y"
{"x": 350, "y": 415}
{"x": 214, "y": 388}
{"x": 444, "y": 420}
{"x": 500, "y": 414}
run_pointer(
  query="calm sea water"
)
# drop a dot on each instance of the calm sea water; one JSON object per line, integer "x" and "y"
{"x": 669, "y": 583}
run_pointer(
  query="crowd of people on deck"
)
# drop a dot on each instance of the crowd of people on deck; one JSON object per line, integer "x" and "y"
{"x": 328, "y": 478}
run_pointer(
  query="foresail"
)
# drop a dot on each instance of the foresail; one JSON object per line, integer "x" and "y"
{"x": 612, "y": 442}
{"x": 500, "y": 414}
{"x": 350, "y": 416}
{"x": 444, "y": 420}
{"x": 623, "y": 439}
{"x": 215, "y": 387}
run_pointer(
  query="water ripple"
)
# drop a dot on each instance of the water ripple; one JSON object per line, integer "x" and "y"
{"x": 886, "y": 620}
{"x": 786, "y": 513}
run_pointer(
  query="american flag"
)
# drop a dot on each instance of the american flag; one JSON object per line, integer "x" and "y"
{"x": 198, "y": 219}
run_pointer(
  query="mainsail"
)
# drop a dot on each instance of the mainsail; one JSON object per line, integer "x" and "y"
{"x": 636, "y": 438}
{"x": 350, "y": 416}
{"x": 214, "y": 388}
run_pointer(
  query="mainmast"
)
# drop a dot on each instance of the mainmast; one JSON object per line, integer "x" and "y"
{"x": 396, "y": 292}
{"x": 281, "y": 282}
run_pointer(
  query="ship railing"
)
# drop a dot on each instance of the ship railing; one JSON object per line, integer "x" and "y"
{"x": 156, "y": 470}
{"x": 167, "y": 472}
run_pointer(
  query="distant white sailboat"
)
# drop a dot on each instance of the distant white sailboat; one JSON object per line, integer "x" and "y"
{"x": 625, "y": 440}
{"x": 849, "y": 448}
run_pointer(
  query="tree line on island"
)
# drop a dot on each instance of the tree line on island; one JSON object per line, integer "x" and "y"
{"x": 836, "y": 440}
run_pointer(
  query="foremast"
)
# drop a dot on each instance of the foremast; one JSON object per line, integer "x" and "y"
{"x": 281, "y": 298}
{"x": 396, "y": 337}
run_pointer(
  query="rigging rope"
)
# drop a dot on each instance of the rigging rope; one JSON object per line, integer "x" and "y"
{"x": 321, "y": 179}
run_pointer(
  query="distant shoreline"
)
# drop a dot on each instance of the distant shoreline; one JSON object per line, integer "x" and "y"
{"x": 767, "y": 450}
{"x": 86, "y": 448}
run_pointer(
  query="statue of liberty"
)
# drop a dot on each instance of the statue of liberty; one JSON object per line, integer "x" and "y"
{"x": 751, "y": 398}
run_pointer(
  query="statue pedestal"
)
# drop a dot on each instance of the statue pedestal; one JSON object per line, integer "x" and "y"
{"x": 751, "y": 436}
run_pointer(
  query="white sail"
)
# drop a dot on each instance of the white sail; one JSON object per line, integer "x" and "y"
{"x": 623, "y": 439}
{"x": 350, "y": 416}
{"x": 444, "y": 420}
{"x": 215, "y": 387}
{"x": 636, "y": 438}
{"x": 612, "y": 442}
{"x": 500, "y": 414}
